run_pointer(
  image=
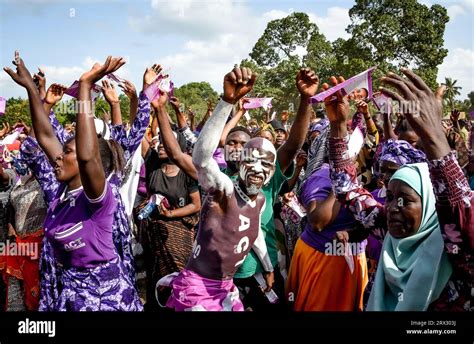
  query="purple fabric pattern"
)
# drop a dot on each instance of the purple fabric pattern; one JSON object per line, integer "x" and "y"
{"x": 59, "y": 130}
{"x": 401, "y": 153}
{"x": 37, "y": 161}
{"x": 131, "y": 142}
{"x": 319, "y": 126}
{"x": 104, "y": 288}
{"x": 359, "y": 122}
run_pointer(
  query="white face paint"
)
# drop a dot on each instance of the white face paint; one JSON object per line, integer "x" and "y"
{"x": 256, "y": 169}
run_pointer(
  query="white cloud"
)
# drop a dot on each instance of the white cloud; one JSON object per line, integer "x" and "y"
{"x": 64, "y": 75}
{"x": 333, "y": 24}
{"x": 209, "y": 61}
{"x": 219, "y": 34}
{"x": 275, "y": 14}
{"x": 455, "y": 10}
{"x": 468, "y": 4}
{"x": 198, "y": 19}
{"x": 458, "y": 65}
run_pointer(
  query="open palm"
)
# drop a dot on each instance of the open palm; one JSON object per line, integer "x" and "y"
{"x": 98, "y": 71}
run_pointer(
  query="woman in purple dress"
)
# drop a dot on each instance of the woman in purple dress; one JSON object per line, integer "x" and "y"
{"x": 78, "y": 226}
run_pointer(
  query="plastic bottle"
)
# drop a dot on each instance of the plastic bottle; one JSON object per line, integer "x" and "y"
{"x": 153, "y": 203}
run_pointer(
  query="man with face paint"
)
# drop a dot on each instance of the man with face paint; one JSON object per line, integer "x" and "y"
{"x": 246, "y": 277}
{"x": 230, "y": 215}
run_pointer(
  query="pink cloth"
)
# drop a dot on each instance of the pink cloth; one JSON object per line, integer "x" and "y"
{"x": 361, "y": 80}
{"x": 254, "y": 103}
{"x": 192, "y": 292}
{"x": 3, "y": 104}
{"x": 219, "y": 158}
{"x": 142, "y": 190}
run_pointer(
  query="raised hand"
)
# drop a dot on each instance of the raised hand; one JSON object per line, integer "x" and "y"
{"x": 5, "y": 129}
{"x": 423, "y": 109}
{"x": 191, "y": 114}
{"x": 240, "y": 107}
{"x": 110, "y": 95}
{"x": 106, "y": 116}
{"x": 54, "y": 94}
{"x": 210, "y": 106}
{"x": 307, "y": 82}
{"x": 175, "y": 104}
{"x": 98, "y": 71}
{"x": 129, "y": 89}
{"x": 40, "y": 82}
{"x": 22, "y": 76}
{"x": 455, "y": 115}
{"x": 362, "y": 106}
{"x": 26, "y": 127}
{"x": 160, "y": 101}
{"x": 238, "y": 83}
{"x": 151, "y": 74}
{"x": 337, "y": 106}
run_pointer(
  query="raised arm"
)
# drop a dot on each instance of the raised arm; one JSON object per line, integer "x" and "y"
{"x": 172, "y": 148}
{"x": 232, "y": 123}
{"x": 192, "y": 119}
{"x": 388, "y": 131}
{"x": 142, "y": 118}
{"x": 183, "y": 127}
{"x": 237, "y": 84}
{"x": 111, "y": 96}
{"x": 206, "y": 116}
{"x": 301, "y": 160}
{"x": 307, "y": 83}
{"x": 53, "y": 96}
{"x": 454, "y": 199}
{"x": 343, "y": 171}
{"x": 129, "y": 89}
{"x": 87, "y": 146}
{"x": 40, "y": 82}
{"x": 180, "y": 116}
{"x": 43, "y": 129}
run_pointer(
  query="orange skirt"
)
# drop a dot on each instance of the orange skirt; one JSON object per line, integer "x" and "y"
{"x": 320, "y": 282}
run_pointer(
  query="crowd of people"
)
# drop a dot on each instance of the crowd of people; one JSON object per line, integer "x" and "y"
{"x": 233, "y": 214}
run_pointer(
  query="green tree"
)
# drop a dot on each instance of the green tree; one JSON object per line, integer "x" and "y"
{"x": 286, "y": 45}
{"x": 470, "y": 99}
{"x": 452, "y": 91}
{"x": 195, "y": 95}
{"x": 401, "y": 33}
{"x": 281, "y": 38}
{"x": 16, "y": 109}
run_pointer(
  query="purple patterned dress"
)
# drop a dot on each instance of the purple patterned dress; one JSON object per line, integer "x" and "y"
{"x": 53, "y": 299}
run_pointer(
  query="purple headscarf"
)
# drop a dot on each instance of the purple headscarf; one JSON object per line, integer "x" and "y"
{"x": 401, "y": 153}
{"x": 319, "y": 126}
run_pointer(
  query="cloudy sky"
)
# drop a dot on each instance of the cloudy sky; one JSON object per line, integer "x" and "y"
{"x": 196, "y": 40}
